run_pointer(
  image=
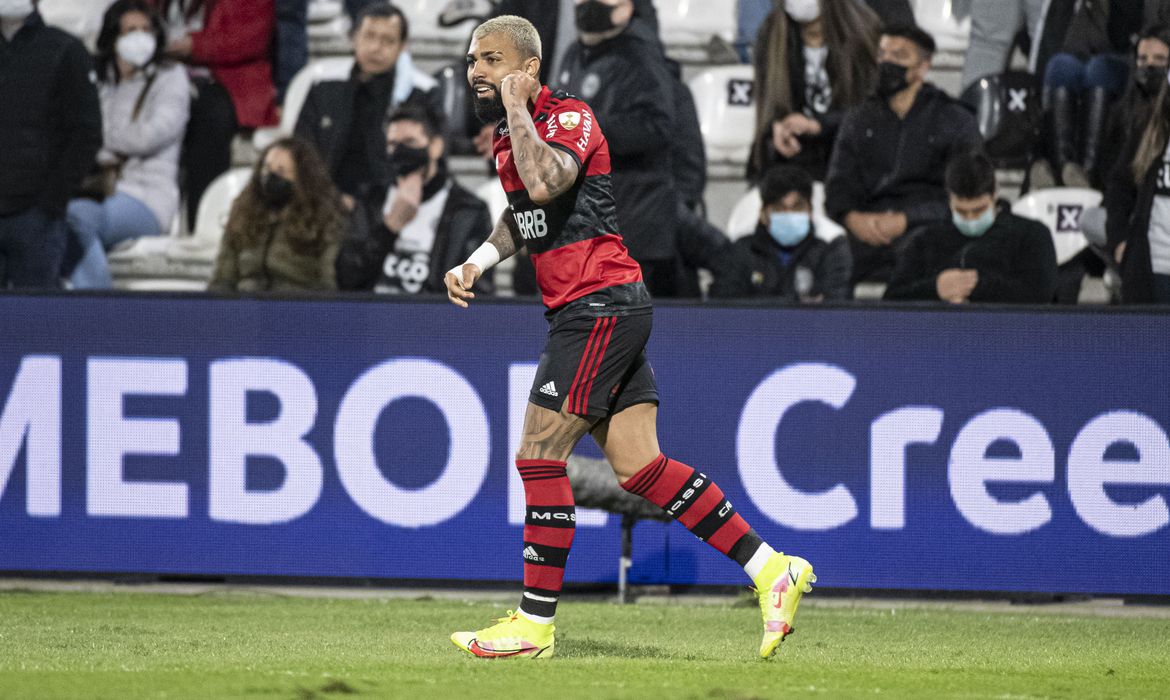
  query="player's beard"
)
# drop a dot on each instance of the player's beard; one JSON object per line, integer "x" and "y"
{"x": 490, "y": 110}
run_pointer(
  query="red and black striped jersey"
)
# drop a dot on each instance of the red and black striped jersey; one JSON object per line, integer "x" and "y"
{"x": 573, "y": 240}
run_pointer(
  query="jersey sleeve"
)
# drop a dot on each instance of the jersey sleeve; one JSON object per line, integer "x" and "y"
{"x": 572, "y": 128}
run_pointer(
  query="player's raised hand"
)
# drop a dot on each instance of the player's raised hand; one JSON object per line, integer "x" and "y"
{"x": 518, "y": 88}
{"x": 459, "y": 281}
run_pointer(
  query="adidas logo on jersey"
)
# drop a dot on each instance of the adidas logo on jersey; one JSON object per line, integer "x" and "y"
{"x": 550, "y": 389}
{"x": 531, "y": 555}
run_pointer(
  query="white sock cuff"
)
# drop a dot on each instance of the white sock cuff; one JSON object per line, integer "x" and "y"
{"x": 756, "y": 564}
{"x": 536, "y": 618}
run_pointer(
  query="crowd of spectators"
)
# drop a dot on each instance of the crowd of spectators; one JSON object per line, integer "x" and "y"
{"x": 97, "y": 150}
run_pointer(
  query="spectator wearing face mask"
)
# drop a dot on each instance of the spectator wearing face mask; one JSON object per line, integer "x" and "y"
{"x": 144, "y": 101}
{"x": 814, "y": 60}
{"x": 285, "y": 227}
{"x": 344, "y": 119}
{"x": 981, "y": 254}
{"x": 885, "y": 176}
{"x": 430, "y": 223}
{"x": 783, "y": 259}
{"x": 1131, "y": 113}
{"x": 50, "y": 130}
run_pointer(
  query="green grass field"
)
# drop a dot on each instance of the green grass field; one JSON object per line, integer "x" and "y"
{"x": 244, "y": 645}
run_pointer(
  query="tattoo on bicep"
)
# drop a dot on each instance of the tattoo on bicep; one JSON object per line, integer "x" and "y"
{"x": 536, "y": 161}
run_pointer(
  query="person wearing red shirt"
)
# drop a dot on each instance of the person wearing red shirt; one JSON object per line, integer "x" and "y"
{"x": 593, "y": 377}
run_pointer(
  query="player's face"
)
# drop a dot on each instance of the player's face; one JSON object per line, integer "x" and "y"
{"x": 489, "y": 59}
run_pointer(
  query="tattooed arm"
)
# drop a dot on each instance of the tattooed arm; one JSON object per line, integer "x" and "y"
{"x": 503, "y": 243}
{"x": 546, "y": 171}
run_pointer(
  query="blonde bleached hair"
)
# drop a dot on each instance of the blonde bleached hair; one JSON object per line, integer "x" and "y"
{"x": 523, "y": 35}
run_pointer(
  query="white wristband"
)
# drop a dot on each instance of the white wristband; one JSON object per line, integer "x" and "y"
{"x": 484, "y": 257}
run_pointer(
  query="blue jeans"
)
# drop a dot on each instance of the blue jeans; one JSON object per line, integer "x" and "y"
{"x": 99, "y": 226}
{"x": 32, "y": 246}
{"x": 1109, "y": 71}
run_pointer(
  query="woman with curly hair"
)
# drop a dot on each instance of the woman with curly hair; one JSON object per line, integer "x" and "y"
{"x": 814, "y": 59}
{"x": 285, "y": 228}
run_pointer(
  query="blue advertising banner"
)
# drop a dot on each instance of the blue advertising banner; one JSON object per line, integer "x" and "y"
{"x": 894, "y": 448}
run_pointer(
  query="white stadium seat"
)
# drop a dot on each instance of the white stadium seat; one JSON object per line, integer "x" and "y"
{"x": 81, "y": 18}
{"x": 427, "y": 37}
{"x": 695, "y": 22}
{"x": 181, "y": 263}
{"x": 492, "y": 193}
{"x": 325, "y": 10}
{"x": 951, "y": 34}
{"x": 746, "y": 214}
{"x": 724, "y": 97}
{"x": 1060, "y": 209}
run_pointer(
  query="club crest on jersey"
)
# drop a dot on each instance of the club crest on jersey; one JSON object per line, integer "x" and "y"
{"x": 569, "y": 120}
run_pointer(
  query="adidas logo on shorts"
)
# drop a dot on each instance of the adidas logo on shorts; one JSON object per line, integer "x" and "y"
{"x": 550, "y": 389}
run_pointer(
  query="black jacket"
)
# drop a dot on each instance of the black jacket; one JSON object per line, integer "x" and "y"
{"x": 881, "y": 162}
{"x": 1015, "y": 258}
{"x": 1127, "y": 207}
{"x": 752, "y": 267}
{"x": 327, "y": 121}
{"x": 627, "y": 82}
{"x": 464, "y": 224}
{"x": 50, "y": 118}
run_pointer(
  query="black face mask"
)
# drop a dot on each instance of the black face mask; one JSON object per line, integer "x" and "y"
{"x": 1149, "y": 80}
{"x": 891, "y": 79}
{"x": 405, "y": 160}
{"x": 594, "y": 17}
{"x": 275, "y": 191}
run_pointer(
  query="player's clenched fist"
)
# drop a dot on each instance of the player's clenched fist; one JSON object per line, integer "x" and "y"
{"x": 459, "y": 281}
{"x": 518, "y": 88}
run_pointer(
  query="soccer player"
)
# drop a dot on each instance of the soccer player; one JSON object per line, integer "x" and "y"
{"x": 593, "y": 376}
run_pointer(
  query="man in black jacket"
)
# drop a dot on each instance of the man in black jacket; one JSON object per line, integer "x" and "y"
{"x": 624, "y": 76}
{"x": 783, "y": 259}
{"x": 885, "y": 175}
{"x": 430, "y": 224}
{"x": 978, "y": 256}
{"x": 345, "y": 119}
{"x": 50, "y": 132}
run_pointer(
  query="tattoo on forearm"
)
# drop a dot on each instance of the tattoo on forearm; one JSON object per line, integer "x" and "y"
{"x": 505, "y": 237}
{"x": 539, "y": 164}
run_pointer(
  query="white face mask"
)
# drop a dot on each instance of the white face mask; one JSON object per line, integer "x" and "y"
{"x": 15, "y": 9}
{"x": 803, "y": 11}
{"x": 135, "y": 48}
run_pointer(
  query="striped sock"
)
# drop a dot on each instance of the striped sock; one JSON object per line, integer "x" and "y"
{"x": 691, "y": 498}
{"x": 549, "y": 525}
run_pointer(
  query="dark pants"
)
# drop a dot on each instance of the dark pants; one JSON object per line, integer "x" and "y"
{"x": 207, "y": 147}
{"x": 876, "y": 263}
{"x": 292, "y": 42}
{"x": 32, "y": 245}
{"x": 1162, "y": 289}
{"x": 661, "y": 277}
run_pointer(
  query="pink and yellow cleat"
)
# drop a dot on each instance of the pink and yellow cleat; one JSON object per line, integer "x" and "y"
{"x": 781, "y": 583}
{"x": 513, "y": 636}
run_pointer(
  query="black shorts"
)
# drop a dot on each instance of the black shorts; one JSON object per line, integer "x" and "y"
{"x": 595, "y": 366}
